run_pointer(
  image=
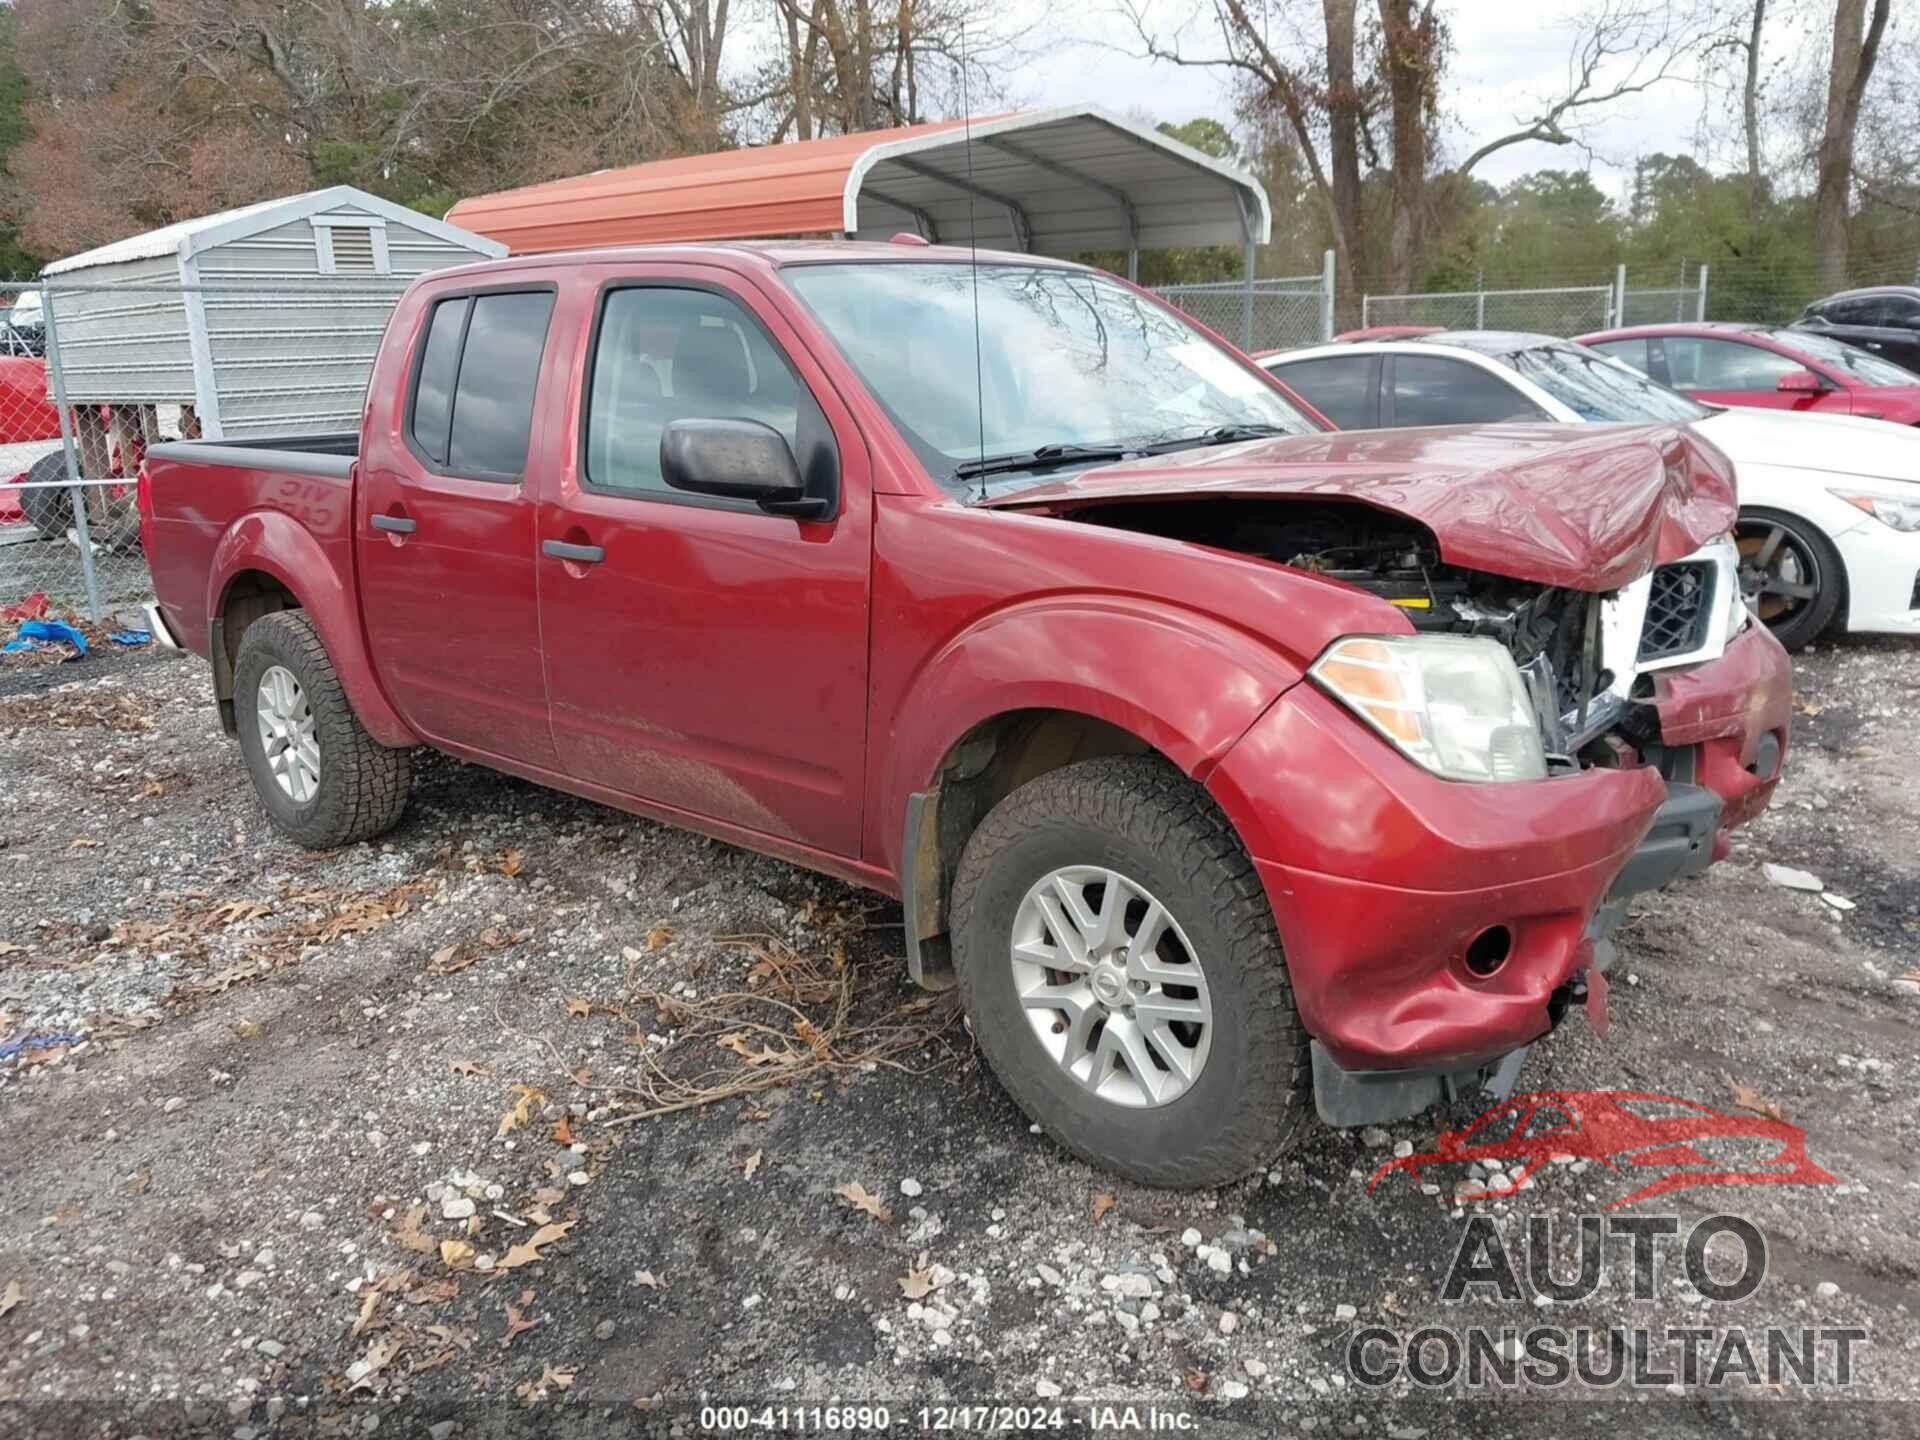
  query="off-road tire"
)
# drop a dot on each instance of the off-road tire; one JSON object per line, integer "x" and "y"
{"x": 51, "y": 511}
{"x": 1140, "y": 816}
{"x": 363, "y": 785}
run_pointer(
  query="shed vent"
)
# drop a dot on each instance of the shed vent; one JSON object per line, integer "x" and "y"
{"x": 352, "y": 250}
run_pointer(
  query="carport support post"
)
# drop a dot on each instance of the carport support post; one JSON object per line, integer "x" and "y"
{"x": 1619, "y": 296}
{"x": 1700, "y": 313}
{"x": 59, "y": 384}
{"x": 1326, "y": 295}
{"x": 1246, "y": 297}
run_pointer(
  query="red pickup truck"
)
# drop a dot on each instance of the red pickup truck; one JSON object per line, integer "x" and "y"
{"x": 1229, "y": 766}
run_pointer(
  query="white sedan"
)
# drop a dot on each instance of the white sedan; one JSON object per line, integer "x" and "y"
{"x": 1829, "y": 528}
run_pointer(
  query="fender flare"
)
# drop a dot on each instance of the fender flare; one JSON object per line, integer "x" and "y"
{"x": 1188, "y": 685}
{"x": 318, "y": 575}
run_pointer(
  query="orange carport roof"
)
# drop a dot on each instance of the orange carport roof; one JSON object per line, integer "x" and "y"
{"x": 1053, "y": 182}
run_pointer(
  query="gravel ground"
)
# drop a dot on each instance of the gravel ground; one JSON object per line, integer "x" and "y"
{"x": 338, "y": 1139}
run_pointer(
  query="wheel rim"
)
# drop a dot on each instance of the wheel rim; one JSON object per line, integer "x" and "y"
{"x": 1112, "y": 987}
{"x": 286, "y": 734}
{"x": 1779, "y": 571}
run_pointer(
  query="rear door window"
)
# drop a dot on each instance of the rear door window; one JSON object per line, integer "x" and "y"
{"x": 1344, "y": 388}
{"x": 1430, "y": 391}
{"x": 472, "y": 410}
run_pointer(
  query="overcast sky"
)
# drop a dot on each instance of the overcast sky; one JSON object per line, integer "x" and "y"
{"x": 1497, "y": 71}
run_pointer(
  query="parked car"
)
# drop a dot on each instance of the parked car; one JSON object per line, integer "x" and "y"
{"x": 1884, "y": 319}
{"x": 1768, "y": 368}
{"x": 1829, "y": 527}
{"x": 1228, "y": 766}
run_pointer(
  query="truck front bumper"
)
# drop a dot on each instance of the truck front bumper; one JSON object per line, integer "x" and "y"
{"x": 1432, "y": 928}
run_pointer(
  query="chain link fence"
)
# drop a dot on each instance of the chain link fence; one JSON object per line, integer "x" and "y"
{"x": 1281, "y": 314}
{"x": 1555, "y": 310}
{"x": 1672, "y": 305}
{"x": 92, "y": 374}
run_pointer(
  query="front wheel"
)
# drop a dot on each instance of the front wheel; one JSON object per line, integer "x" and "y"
{"x": 1120, "y": 966}
{"x": 1790, "y": 573}
{"x": 323, "y": 779}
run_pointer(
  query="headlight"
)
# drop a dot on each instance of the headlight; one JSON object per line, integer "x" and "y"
{"x": 1453, "y": 703}
{"x": 1900, "y": 514}
{"x": 1729, "y": 576}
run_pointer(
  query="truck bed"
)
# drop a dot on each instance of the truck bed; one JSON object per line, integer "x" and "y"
{"x": 291, "y": 498}
{"x": 328, "y": 454}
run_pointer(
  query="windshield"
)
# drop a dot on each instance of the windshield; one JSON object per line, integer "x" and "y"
{"x": 1065, "y": 358}
{"x": 1867, "y": 369}
{"x": 1595, "y": 387}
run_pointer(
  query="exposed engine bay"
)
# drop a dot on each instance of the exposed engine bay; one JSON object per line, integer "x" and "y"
{"x": 1555, "y": 635}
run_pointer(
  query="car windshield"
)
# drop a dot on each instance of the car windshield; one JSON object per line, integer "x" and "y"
{"x": 1067, "y": 361}
{"x": 1595, "y": 387}
{"x": 1867, "y": 369}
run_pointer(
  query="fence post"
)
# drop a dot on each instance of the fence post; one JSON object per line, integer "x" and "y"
{"x": 1700, "y": 314}
{"x": 59, "y": 386}
{"x": 1326, "y": 295}
{"x": 1619, "y": 296}
{"x": 1480, "y": 309}
{"x": 1365, "y": 302}
{"x": 1246, "y": 301}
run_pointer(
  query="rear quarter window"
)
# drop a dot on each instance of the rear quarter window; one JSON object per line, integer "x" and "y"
{"x": 472, "y": 407}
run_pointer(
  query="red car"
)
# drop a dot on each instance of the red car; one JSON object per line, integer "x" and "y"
{"x": 1625, "y": 1131}
{"x": 1228, "y": 766}
{"x": 1768, "y": 366}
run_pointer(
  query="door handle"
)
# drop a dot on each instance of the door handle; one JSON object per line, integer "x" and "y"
{"x": 566, "y": 550}
{"x": 393, "y": 524}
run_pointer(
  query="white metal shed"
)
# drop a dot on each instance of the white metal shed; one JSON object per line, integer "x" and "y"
{"x": 258, "y": 321}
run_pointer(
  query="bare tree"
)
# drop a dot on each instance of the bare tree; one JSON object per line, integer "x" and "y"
{"x": 1856, "y": 48}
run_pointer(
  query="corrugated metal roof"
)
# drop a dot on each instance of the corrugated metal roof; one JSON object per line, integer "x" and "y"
{"x": 261, "y": 215}
{"x": 1051, "y": 182}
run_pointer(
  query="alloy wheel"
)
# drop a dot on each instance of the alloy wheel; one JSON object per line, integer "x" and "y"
{"x": 287, "y": 734}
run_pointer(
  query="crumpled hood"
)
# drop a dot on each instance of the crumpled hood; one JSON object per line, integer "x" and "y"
{"x": 1589, "y": 507}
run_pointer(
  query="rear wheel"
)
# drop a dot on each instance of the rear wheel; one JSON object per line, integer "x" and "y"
{"x": 322, "y": 778}
{"x": 1790, "y": 573}
{"x": 1119, "y": 962}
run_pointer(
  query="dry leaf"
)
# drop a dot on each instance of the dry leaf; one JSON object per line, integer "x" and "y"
{"x": 549, "y": 1195}
{"x": 658, "y": 936}
{"x": 1196, "y": 1381}
{"x": 534, "y": 1391}
{"x": 1102, "y": 1203}
{"x": 84, "y": 844}
{"x": 528, "y": 1250}
{"x": 855, "y": 1194}
{"x": 649, "y": 1279}
{"x": 525, "y": 1097}
{"x": 753, "y": 1164}
{"x": 434, "y": 1292}
{"x": 455, "y": 1253}
{"x": 517, "y": 1322}
{"x": 916, "y": 1284}
{"x": 563, "y": 1130}
{"x": 578, "y": 1009}
{"x": 738, "y": 1043}
{"x": 367, "y": 1308}
{"x": 510, "y": 862}
{"x": 1745, "y": 1097}
{"x": 379, "y": 1353}
{"x": 11, "y": 1299}
{"x": 448, "y": 960}
{"x": 7, "y": 947}
{"x": 409, "y": 1236}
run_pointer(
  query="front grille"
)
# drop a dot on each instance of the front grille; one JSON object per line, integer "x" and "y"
{"x": 1679, "y": 607}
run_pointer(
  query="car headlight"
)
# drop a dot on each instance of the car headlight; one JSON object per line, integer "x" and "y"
{"x": 1900, "y": 514}
{"x": 1453, "y": 703}
{"x": 1729, "y": 576}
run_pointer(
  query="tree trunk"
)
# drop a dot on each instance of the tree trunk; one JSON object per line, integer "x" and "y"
{"x": 1756, "y": 183}
{"x": 1343, "y": 152}
{"x": 1856, "y": 46}
{"x": 1409, "y": 55}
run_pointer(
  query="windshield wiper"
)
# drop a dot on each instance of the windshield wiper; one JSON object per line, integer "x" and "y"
{"x": 1218, "y": 435}
{"x": 1041, "y": 457}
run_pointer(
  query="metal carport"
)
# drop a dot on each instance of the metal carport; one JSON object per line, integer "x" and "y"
{"x": 1050, "y": 182}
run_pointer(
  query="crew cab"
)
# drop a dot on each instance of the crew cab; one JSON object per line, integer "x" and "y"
{"x": 1228, "y": 766}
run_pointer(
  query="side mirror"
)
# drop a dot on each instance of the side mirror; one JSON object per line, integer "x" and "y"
{"x": 736, "y": 460}
{"x": 1800, "y": 382}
